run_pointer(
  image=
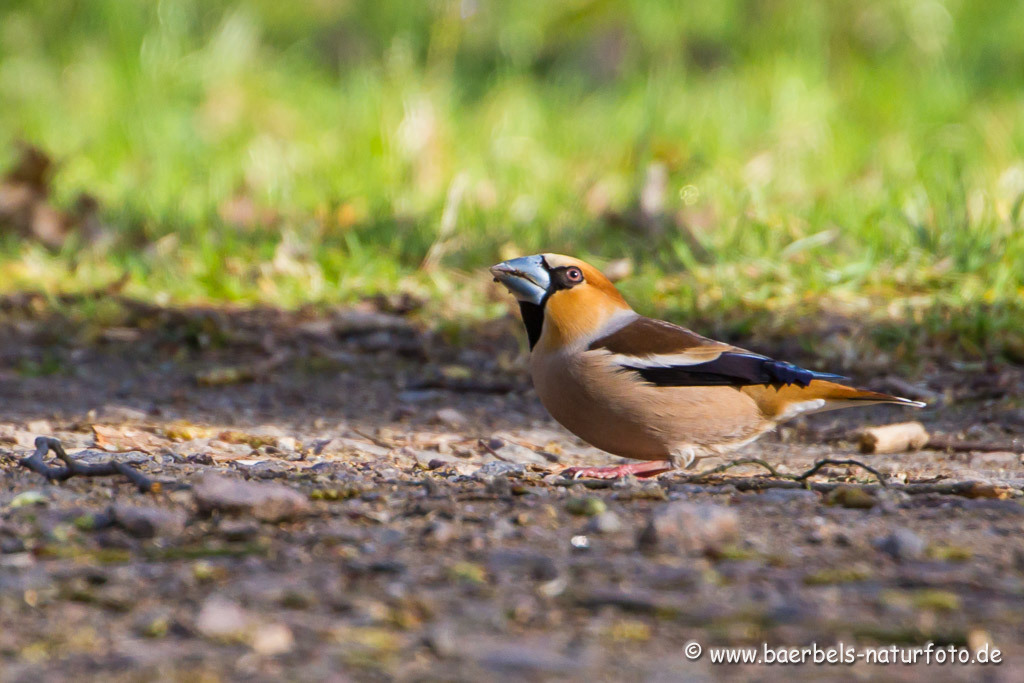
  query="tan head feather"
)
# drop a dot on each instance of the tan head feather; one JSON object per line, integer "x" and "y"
{"x": 580, "y": 312}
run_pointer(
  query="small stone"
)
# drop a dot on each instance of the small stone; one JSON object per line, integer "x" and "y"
{"x": 42, "y": 427}
{"x": 272, "y": 639}
{"x": 26, "y": 498}
{"x": 440, "y": 532}
{"x": 499, "y": 486}
{"x": 287, "y": 444}
{"x": 523, "y": 564}
{"x": 606, "y": 522}
{"x": 93, "y": 457}
{"x": 515, "y": 453}
{"x": 588, "y": 506}
{"x": 262, "y": 469}
{"x": 442, "y": 640}
{"x": 450, "y": 417}
{"x": 343, "y": 444}
{"x": 118, "y": 414}
{"x": 902, "y": 545}
{"x": 497, "y": 468}
{"x": 154, "y": 623}
{"x": 851, "y": 497}
{"x": 267, "y": 501}
{"x": 693, "y": 527}
{"x": 238, "y": 529}
{"x": 786, "y": 496}
{"x": 148, "y": 522}
{"x": 222, "y": 619}
{"x": 11, "y": 545}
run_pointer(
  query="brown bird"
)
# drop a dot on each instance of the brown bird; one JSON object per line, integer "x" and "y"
{"x": 647, "y": 389}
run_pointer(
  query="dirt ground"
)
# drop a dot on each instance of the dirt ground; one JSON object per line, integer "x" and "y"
{"x": 346, "y": 497}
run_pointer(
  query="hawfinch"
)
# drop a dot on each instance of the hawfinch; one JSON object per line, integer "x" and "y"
{"x": 647, "y": 389}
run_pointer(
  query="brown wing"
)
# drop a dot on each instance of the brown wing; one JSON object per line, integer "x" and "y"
{"x": 649, "y": 337}
{"x": 667, "y": 355}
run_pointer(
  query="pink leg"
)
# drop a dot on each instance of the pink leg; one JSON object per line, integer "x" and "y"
{"x": 639, "y": 469}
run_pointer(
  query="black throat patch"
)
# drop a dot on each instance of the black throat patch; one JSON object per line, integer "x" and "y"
{"x": 533, "y": 319}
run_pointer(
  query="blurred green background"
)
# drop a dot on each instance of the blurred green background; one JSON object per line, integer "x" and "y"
{"x": 758, "y": 161}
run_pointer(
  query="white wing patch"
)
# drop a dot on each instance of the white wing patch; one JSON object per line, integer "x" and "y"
{"x": 662, "y": 360}
{"x": 801, "y": 408}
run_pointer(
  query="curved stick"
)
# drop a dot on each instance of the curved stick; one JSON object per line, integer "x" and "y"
{"x": 73, "y": 468}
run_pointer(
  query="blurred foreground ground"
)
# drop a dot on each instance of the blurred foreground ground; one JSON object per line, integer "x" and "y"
{"x": 430, "y": 537}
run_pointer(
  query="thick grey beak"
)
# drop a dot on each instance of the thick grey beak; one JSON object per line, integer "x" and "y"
{"x": 527, "y": 278}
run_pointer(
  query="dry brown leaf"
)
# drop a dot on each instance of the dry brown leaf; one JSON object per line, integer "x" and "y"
{"x": 123, "y": 439}
{"x": 186, "y": 431}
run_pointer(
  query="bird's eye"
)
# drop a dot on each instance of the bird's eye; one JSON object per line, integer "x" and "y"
{"x": 574, "y": 275}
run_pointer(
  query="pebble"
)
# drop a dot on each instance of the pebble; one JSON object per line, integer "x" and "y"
{"x": 786, "y": 496}
{"x": 222, "y": 619}
{"x": 340, "y": 444}
{"x": 498, "y": 468}
{"x": 41, "y": 427}
{"x": 92, "y": 457}
{"x": 267, "y": 501}
{"x": 440, "y": 532}
{"x": 588, "y": 506}
{"x": 523, "y": 564}
{"x": 262, "y": 469}
{"x": 287, "y": 444}
{"x": 238, "y": 529}
{"x": 117, "y": 414}
{"x": 272, "y": 639}
{"x": 149, "y": 522}
{"x": 442, "y": 640}
{"x": 606, "y": 522}
{"x": 851, "y": 497}
{"x": 450, "y": 417}
{"x": 521, "y": 454}
{"x": 693, "y": 527}
{"x": 902, "y": 545}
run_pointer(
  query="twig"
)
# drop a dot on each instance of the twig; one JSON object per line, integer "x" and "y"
{"x": 701, "y": 476}
{"x": 829, "y": 461}
{"x": 73, "y": 467}
{"x": 372, "y": 439}
{"x": 942, "y": 443}
{"x": 969, "y": 489}
{"x": 483, "y": 445}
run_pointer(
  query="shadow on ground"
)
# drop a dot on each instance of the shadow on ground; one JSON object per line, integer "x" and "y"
{"x": 349, "y": 496}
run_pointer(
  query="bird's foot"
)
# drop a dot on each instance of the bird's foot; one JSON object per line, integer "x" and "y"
{"x": 637, "y": 469}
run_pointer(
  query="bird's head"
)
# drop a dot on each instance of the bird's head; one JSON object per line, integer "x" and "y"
{"x": 563, "y": 300}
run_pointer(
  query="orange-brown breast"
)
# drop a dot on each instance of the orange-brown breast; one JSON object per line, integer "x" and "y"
{"x": 616, "y": 412}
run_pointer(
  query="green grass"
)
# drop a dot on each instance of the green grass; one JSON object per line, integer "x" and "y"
{"x": 864, "y": 158}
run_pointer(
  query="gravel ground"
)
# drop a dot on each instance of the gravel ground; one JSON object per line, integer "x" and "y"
{"x": 343, "y": 496}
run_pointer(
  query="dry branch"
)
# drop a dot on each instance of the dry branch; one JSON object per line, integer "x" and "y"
{"x": 76, "y": 468}
{"x": 797, "y": 478}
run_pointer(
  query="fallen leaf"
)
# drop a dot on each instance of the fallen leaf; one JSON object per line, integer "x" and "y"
{"x": 121, "y": 440}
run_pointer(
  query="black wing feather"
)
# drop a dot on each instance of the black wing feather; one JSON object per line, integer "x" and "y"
{"x": 731, "y": 369}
